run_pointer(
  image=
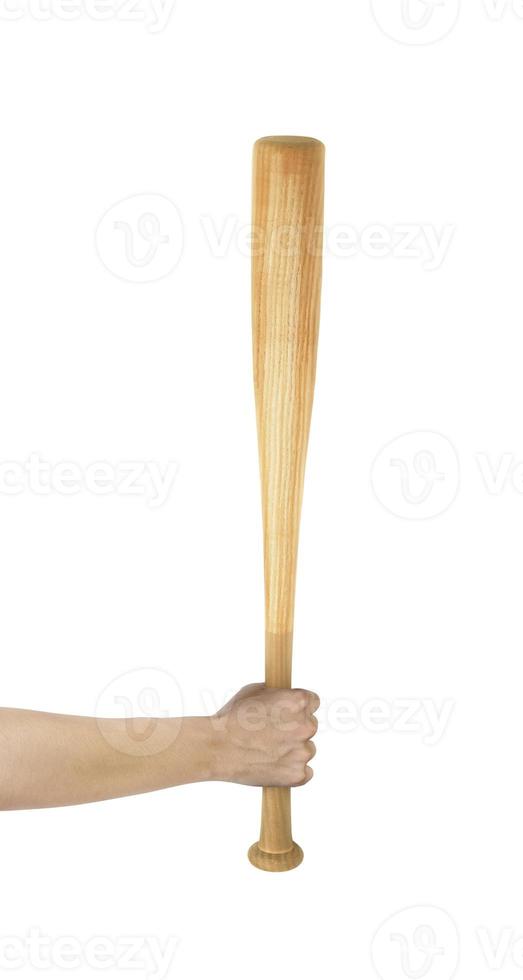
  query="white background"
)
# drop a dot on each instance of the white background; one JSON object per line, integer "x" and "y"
{"x": 409, "y": 587}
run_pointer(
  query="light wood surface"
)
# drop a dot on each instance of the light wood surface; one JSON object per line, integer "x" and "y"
{"x": 286, "y": 286}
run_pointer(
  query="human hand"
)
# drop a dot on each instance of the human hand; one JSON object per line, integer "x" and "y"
{"x": 263, "y": 736}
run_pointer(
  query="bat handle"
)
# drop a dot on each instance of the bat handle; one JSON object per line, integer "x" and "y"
{"x": 276, "y": 850}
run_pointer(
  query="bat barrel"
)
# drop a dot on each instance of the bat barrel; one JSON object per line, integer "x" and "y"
{"x": 286, "y": 285}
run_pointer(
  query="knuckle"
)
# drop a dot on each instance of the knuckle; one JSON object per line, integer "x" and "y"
{"x": 298, "y": 779}
{"x": 306, "y": 700}
{"x": 311, "y": 750}
{"x": 304, "y": 776}
{"x": 300, "y": 698}
{"x": 303, "y": 732}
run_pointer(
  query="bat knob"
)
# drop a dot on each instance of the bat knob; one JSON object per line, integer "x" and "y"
{"x": 275, "y": 861}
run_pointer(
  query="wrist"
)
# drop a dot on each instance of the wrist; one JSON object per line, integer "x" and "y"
{"x": 208, "y": 747}
{"x": 218, "y": 748}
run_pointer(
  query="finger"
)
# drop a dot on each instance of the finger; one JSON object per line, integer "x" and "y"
{"x": 299, "y": 730}
{"x": 308, "y": 729}
{"x": 306, "y": 700}
{"x": 304, "y": 752}
{"x": 314, "y": 702}
{"x": 309, "y": 773}
{"x": 311, "y": 750}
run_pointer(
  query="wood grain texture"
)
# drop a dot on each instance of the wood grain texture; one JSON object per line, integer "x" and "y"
{"x": 286, "y": 284}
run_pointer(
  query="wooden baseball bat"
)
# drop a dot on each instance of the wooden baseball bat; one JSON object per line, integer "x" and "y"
{"x": 286, "y": 286}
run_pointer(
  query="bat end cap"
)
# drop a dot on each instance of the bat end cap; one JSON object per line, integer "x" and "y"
{"x": 280, "y": 861}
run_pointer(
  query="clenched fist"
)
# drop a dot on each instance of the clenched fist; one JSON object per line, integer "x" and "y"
{"x": 263, "y": 736}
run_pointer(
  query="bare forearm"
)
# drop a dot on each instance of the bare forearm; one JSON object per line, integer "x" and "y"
{"x": 56, "y": 760}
